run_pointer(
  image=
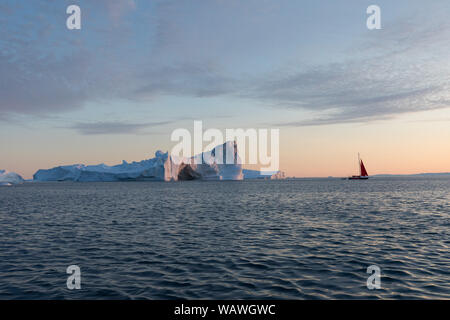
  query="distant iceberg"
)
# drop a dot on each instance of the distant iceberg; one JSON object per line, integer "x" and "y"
{"x": 256, "y": 174}
{"x": 9, "y": 178}
{"x": 163, "y": 167}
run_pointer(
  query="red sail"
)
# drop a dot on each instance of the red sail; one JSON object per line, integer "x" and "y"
{"x": 363, "y": 170}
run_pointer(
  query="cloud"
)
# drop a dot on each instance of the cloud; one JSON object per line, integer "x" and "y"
{"x": 46, "y": 69}
{"x": 101, "y": 128}
{"x": 404, "y": 72}
{"x": 359, "y": 90}
{"x": 198, "y": 49}
{"x": 118, "y": 8}
{"x": 201, "y": 80}
{"x": 30, "y": 88}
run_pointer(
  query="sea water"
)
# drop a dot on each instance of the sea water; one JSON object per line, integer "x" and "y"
{"x": 289, "y": 239}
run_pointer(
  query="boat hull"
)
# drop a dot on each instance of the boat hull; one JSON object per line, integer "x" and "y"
{"x": 358, "y": 178}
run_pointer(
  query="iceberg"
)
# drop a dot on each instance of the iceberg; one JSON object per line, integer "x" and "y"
{"x": 255, "y": 174}
{"x": 9, "y": 178}
{"x": 163, "y": 167}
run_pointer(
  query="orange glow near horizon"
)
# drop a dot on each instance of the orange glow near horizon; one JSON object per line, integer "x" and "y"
{"x": 407, "y": 146}
{"x": 410, "y": 145}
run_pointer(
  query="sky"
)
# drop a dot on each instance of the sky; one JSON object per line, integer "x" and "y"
{"x": 137, "y": 70}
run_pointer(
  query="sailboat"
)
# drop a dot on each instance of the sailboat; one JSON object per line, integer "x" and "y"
{"x": 362, "y": 171}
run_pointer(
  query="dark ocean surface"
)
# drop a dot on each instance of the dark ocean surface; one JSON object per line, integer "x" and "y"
{"x": 293, "y": 239}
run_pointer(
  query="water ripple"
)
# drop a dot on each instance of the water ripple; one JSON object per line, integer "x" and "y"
{"x": 226, "y": 240}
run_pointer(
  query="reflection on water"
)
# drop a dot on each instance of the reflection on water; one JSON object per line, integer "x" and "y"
{"x": 226, "y": 240}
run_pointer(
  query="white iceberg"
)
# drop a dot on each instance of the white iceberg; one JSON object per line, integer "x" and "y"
{"x": 9, "y": 178}
{"x": 255, "y": 174}
{"x": 163, "y": 167}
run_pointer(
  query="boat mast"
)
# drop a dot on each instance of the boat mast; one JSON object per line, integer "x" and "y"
{"x": 359, "y": 164}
